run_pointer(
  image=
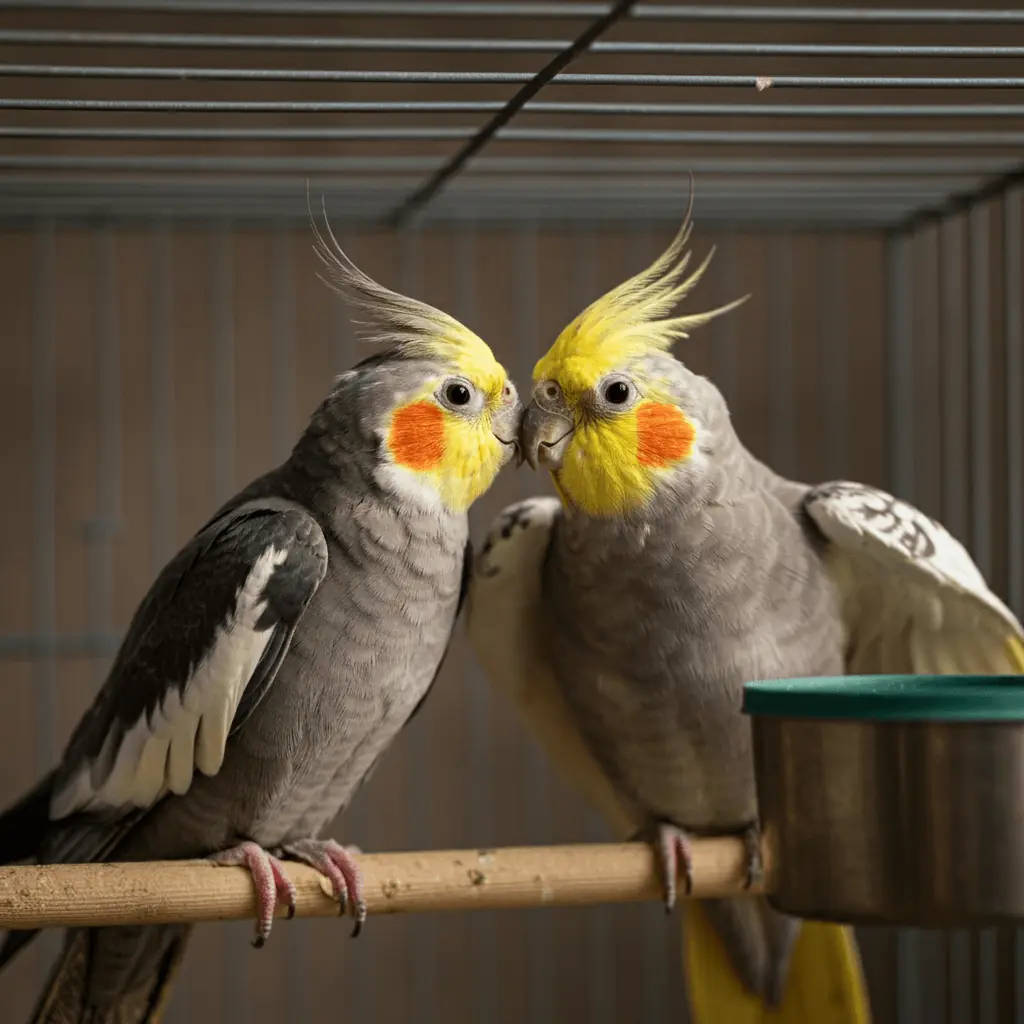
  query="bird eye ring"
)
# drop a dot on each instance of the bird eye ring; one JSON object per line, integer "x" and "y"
{"x": 617, "y": 392}
{"x": 457, "y": 394}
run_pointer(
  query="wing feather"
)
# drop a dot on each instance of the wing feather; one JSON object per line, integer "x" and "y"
{"x": 915, "y": 601}
{"x": 201, "y": 651}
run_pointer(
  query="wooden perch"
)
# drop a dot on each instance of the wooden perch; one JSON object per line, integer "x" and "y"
{"x": 168, "y": 892}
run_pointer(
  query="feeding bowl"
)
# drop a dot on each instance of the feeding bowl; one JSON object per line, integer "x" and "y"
{"x": 895, "y": 800}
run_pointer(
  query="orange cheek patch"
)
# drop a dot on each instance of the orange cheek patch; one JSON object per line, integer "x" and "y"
{"x": 663, "y": 435}
{"x": 416, "y": 439}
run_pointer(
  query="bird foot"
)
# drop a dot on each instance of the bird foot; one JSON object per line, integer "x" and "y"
{"x": 336, "y": 862}
{"x": 673, "y": 845}
{"x": 752, "y": 846}
{"x": 268, "y": 875}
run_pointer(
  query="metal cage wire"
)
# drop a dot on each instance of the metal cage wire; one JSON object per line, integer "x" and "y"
{"x": 154, "y": 157}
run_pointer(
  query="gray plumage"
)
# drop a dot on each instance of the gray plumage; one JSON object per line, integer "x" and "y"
{"x": 339, "y": 678}
{"x": 624, "y": 619}
{"x": 624, "y": 635}
{"x": 720, "y": 580}
{"x": 278, "y": 654}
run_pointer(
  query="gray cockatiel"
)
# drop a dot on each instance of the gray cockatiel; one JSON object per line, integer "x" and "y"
{"x": 279, "y": 653}
{"x": 624, "y": 618}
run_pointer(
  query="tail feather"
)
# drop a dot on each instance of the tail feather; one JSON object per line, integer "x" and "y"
{"x": 747, "y": 964}
{"x": 27, "y": 835}
{"x": 66, "y": 996}
{"x": 23, "y": 829}
{"x": 23, "y": 826}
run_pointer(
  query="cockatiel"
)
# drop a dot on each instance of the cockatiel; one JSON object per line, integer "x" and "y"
{"x": 623, "y": 619}
{"x": 279, "y": 653}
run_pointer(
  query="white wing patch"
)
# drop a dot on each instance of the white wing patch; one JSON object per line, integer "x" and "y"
{"x": 504, "y": 608}
{"x": 915, "y": 601}
{"x": 189, "y": 729}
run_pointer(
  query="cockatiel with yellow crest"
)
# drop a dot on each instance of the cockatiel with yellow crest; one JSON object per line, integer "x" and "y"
{"x": 279, "y": 653}
{"x": 624, "y": 618}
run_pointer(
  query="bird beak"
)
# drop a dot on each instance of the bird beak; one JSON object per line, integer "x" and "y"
{"x": 544, "y": 438}
{"x": 505, "y": 425}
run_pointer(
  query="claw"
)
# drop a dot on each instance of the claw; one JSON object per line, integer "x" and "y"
{"x": 335, "y": 862}
{"x": 674, "y": 848}
{"x": 752, "y": 845}
{"x": 271, "y": 881}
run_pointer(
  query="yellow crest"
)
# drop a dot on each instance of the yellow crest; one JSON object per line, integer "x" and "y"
{"x": 412, "y": 326}
{"x": 628, "y": 321}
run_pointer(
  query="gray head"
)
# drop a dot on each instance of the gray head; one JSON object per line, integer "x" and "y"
{"x": 434, "y": 410}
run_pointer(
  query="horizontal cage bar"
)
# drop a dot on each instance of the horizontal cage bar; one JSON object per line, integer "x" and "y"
{"x": 411, "y": 133}
{"x": 196, "y": 41}
{"x": 652, "y": 12}
{"x": 823, "y": 110}
{"x": 502, "y": 77}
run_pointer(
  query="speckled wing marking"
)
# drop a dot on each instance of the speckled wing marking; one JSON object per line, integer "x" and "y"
{"x": 914, "y": 599}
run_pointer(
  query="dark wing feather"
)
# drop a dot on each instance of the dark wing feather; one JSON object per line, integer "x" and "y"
{"x": 168, "y": 637}
{"x": 182, "y": 668}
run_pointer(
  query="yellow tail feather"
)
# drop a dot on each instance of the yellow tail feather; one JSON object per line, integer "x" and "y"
{"x": 1015, "y": 649}
{"x": 825, "y": 983}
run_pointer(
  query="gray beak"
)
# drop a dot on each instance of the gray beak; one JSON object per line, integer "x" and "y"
{"x": 544, "y": 438}
{"x": 505, "y": 425}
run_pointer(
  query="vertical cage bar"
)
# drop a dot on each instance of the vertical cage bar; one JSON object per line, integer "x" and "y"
{"x": 44, "y": 454}
{"x": 477, "y": 694}
{"x": 101, "y": 530}
{"x": 900, "y": 360}
{"x": 540, "y": 999}
{"x": 779, "y": 251}
{"x": 954, "y": 371}
{"x": 282, "y": 424}
{"x": 422, "y": 930}
{"x": 835, "y": 361}
{"x": 981, "y": 383}
{"x": 1013, "y": 269}
{"x": 954, "y": 512}
{"x": 900, "y": 366}
{"x": 44, "y": 434}
{"x": 1012, "y": 287}
{"x": 164, "y": 491}
{"x": 222, "y": 302}
{"x": 161, "y": 383}
{"x": 981, "y": 519}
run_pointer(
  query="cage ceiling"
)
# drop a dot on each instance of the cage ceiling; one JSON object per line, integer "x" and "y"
{"x": 804, "y": 117}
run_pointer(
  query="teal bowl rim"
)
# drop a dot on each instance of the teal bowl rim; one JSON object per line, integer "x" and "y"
{"x": 889, "y": 698}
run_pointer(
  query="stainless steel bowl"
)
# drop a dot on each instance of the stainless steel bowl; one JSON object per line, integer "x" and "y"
{"x": 892, "y": 799}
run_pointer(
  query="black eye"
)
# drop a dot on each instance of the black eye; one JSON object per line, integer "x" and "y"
{"x": 457, "y": 394}
{"x": 617, "y": 392}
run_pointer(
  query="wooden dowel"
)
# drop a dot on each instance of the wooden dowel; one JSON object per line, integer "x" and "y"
{"x": 165, "y": 892}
